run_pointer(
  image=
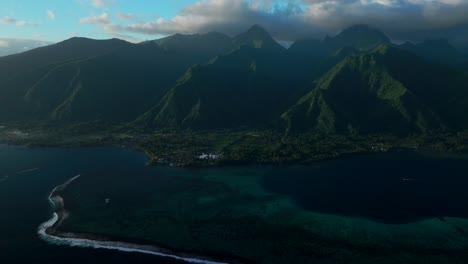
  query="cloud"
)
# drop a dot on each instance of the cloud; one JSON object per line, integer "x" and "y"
{"x": 101, "y": 3}
{"x": 11, "y": 45}
{"x": 10, "y": 20}
{"x": 7, "y": 20}
{"x": 125, "y": 16}
{"x": 100, "y": 19}
{"x": 73, "y": 34}
{"x": 295, "y": 19}
{"x": 128, "y": 38}
{"x": 4, "y": 44}
{"x": 226, "y": 16}
{"x": 21, "y": 23}
{"x": 51, "y": 14}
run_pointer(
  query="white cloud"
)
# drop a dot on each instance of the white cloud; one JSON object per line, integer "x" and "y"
{"x": 21, "y": 23}
{"x": 11, "y": 45}
{"x": 124, "y": 16}
{"x": 128, "y": 38}
{"x": 51, "y": 14}
{"x": 11, "y": 20}
{"x": 388, "y": 3}
{"x": 7, "y": 20}
{"x": 101, "y": 19}
{"x": 428, "y": 2}
{"x": 102, "y": 3}
{"x": 289, "y": 20}
{"x": 4, "y": 44}
{"x": 73, "y": 34}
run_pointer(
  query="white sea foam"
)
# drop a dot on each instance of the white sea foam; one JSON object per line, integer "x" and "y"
{"x": 110, "y": 245}
{"x": 30, "y": 170}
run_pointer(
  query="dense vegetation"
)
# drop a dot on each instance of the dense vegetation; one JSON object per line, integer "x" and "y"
{"x": 373, "y": 93}
{"x": 354, "y": 85}
{"x": 195, "y": 100}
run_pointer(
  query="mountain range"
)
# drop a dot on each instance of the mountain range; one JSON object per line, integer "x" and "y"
{"x": 355, "y": 82}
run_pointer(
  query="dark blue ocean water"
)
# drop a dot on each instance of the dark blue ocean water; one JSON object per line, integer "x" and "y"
{"x": 23, "y": 201}
{"x": 393, "y": 187}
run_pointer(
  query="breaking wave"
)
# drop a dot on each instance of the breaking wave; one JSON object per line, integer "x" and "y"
{"x": 96, "y": 244}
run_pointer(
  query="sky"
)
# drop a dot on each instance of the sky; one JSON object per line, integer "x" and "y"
{"x": 286, "y": 20}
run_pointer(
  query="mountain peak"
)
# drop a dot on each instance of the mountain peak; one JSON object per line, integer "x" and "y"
{"x": 358, "y": 27}
{"x": 436, "y": 50}
{"x": 90, "y": 40}
{"x": 256, "y": 28}
{"x": 257, "y": 37}
{"x": 213, "y": 43}
{"x": 361, "y": 30}
{"x": 361, "y": 37}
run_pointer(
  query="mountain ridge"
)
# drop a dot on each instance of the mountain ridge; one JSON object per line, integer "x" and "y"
{"x": 365, "y": 93}
{"x": 213, "y": 81}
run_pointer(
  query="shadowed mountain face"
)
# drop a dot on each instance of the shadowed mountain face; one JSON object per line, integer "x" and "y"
{"x": 71, "y": 49}
{"x": 205, "y": 45}
{"x": 21, "y": 73}
{"x": 84, "y": 80}
{"x": 115, "y": 87}
{"x": 387, "y": 89}
{"x": 111, "y": 80}
{"x": 217, "y": 43}
{"x": 256, "y": 37}
{"x": 355, "y": 82}
{"x": 248, "y": 87}
{"x": 438, "y": 51}
{"x": 360, "y": 37}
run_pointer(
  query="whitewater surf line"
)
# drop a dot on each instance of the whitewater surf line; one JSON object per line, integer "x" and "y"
{"x": 56, "y": 201}
{"x": 4, "y": 178}
{"x": 21, "y": 172}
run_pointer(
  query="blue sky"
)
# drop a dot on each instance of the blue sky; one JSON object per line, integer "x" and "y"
{"x": 55, "y": 20}
{"x": 286, "y": 20}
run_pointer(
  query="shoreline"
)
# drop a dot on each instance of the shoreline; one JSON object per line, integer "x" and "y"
{"x": 47, "y": 231}
{"x": 236, "y": 147}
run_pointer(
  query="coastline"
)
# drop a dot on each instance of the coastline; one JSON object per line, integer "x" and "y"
{"x": 47, "y": 231}
{"x": 232, "y": 147}
{"x": 88, "y": 233}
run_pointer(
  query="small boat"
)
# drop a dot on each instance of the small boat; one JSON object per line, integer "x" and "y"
{"x": 408, "y": 179}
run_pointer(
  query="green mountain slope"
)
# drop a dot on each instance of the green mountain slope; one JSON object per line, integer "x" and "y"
{"x": 359, "y": 84}
{"x": 386, "y": 90}
{"x": 316, "y": 57}
{"x": 248, "y": 87}
{"x": 71, "y": 49}
{"x": 85, "y": 80}
{"x": 21, "y": 72}
{"x": 111, "y": 84}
